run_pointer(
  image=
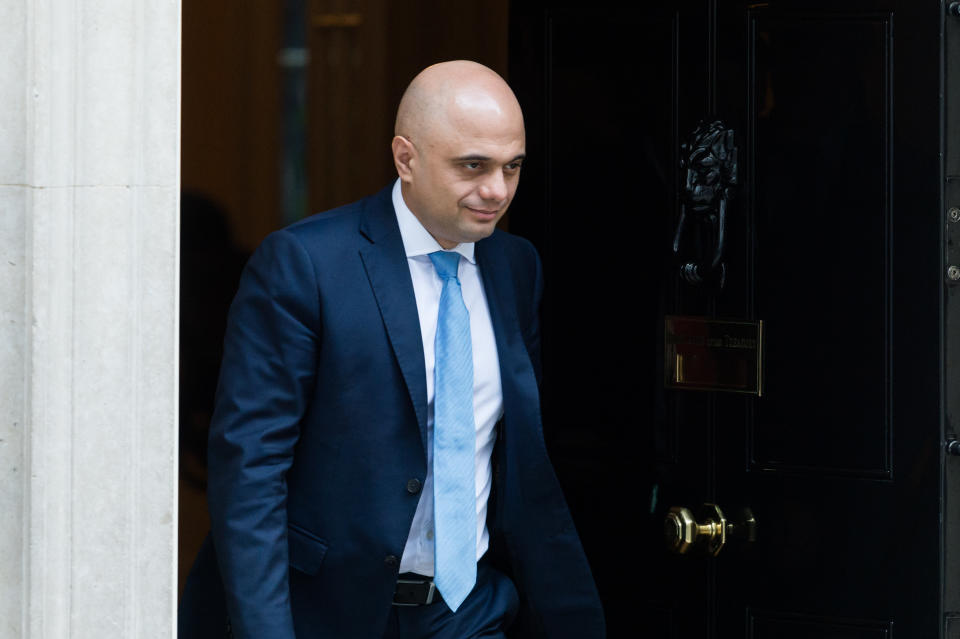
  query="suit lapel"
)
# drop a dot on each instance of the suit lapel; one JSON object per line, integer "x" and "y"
{"x": 515, "y": 365}
{"x": 385, "y": 262}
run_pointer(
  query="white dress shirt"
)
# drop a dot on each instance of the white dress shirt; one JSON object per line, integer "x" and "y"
{"x": 487, "y": 394}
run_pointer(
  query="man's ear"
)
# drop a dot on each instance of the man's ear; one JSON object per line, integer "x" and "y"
{"x": 404, "y": 158}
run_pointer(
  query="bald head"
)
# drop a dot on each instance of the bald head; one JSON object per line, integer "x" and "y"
{"x": 454, "y": 94}
{"x": 458, "y": 148}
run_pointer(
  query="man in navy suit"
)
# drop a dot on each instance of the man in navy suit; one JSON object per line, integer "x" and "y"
{"x": 321, "y": 483}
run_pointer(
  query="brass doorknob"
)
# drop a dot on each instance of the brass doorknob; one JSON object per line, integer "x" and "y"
{"x": 683, "y": 532}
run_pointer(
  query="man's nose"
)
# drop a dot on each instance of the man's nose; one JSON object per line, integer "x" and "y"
{"x": 494, "y": 187}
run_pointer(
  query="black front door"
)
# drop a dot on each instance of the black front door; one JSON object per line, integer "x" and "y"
{"x": 834, "y": 238}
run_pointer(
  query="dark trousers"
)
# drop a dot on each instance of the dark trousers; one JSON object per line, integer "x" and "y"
{"x": 486, "y": 612}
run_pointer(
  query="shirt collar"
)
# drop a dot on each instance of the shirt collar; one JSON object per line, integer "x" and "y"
{"x": 416, "y": 239}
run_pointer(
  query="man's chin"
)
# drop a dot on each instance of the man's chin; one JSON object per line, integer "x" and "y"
{"x": 481, "y": 231}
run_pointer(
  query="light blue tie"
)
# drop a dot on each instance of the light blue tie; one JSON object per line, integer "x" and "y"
{"x": 454, "y": 441}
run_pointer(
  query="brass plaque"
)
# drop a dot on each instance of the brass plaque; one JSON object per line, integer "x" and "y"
{"x": 717, "y": 355}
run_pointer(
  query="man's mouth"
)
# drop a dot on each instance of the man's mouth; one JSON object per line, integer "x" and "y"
{"x": 484, "y": 211}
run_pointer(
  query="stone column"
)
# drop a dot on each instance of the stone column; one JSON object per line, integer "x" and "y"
{"x": 89, "y": 182}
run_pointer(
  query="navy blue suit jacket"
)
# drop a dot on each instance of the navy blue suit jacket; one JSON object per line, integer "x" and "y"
{"x": 320, "y": 423}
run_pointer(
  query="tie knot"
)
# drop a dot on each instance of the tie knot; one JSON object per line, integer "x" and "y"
{"x": 446, "y": 263}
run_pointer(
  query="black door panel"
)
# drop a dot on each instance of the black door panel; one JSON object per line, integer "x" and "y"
{"x": 834, "y": 241}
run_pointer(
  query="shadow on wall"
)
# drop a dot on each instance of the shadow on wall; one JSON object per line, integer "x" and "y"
{"x": 210, "y": 266}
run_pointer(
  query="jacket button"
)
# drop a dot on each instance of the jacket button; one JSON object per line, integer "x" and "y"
{"x": 414, "y": 486}
{"x": 392, "y": 561}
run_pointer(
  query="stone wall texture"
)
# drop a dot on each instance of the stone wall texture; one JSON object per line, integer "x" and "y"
{"x": 89, "y": 184}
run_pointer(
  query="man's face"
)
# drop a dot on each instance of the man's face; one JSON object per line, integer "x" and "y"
{"x": 464, "y": 176}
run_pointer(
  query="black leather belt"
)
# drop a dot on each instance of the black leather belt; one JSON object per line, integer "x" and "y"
{"x": 415, "y": 590}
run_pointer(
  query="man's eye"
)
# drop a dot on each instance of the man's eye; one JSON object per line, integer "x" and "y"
{"x": 472, "y": 165}
{"x": 514, "y": 166}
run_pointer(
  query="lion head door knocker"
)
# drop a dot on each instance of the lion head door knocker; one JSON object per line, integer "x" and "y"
{"x": 709, "y": 157}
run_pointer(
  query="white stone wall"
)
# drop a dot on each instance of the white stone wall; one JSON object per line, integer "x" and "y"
{"x": 89, "y": 182}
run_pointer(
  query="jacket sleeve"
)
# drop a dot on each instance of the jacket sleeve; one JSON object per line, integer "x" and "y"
{"x": 560, "y": 598}
{"x": 266, "y": 379}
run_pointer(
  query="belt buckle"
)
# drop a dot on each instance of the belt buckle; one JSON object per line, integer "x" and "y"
{"x": 430, "y": 592}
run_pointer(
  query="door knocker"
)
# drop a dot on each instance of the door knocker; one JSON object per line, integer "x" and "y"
{"x": 709, "y": 157}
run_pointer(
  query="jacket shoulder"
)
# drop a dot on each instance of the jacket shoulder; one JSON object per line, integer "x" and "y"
{"x": 521, "y": 256}
{"x": 342, "y": 218}
{"x": 335, "y": 228}
{"x": 515, "y": 248}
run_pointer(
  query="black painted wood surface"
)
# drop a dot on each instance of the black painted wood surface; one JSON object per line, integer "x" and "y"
{"x": 834, "y": 241}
